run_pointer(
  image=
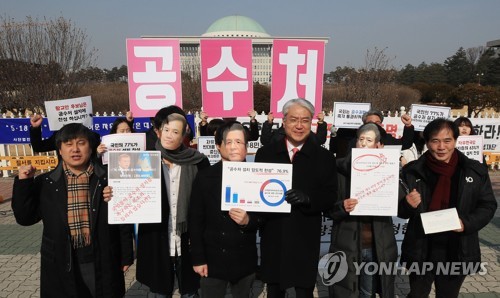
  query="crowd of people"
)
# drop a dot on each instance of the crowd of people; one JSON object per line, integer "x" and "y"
{"x": 203, "y": 251}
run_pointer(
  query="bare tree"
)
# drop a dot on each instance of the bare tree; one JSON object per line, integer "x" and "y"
{"x": 474, "y": 54}
{"x": 39, "y": 60}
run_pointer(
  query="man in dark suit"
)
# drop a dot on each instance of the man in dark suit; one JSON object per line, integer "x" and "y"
{"x": 290, "y": 242}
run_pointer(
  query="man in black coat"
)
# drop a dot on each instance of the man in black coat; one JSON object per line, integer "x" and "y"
{"x": 290, "y": 243}
{"x": 444, "y": 178}
{"x": 223, "y": 244}
{"x": 81, "y": 254}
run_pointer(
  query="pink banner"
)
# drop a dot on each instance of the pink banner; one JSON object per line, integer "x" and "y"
{"x": 154, "y": 75}
{"x": 226, "y": 77}
{"x": 297, "y": 73}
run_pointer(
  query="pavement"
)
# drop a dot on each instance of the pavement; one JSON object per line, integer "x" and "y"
{"x": 20, "y": 258}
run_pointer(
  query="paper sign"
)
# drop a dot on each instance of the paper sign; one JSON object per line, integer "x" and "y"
{"x": 375, "y": 181}
{"x": 74, "y": 110}
{"x": 256, "y": 186}
{"x": 226, "y": 76}
{"x": 154, "y": 75}
{"x": 349, "y": 114}
{"x": 421, "y": 115}
{"x": 136, "y": 181}
{"x": 206, "y": 145}
{"x": 297, "y": 72}
{"x": 471, "y": 146}
{"x": 123, "y": 142}
{"x": 440, "y": 221}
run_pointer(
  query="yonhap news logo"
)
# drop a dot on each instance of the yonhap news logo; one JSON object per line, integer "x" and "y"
{"x": 333, "y": 267}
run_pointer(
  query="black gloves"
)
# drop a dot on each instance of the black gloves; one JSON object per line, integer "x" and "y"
{"x": 296, "y": 197}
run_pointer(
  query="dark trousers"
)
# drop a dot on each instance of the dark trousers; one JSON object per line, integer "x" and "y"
{"x": 274, "y": 291}
{"x": 85, "y": 279}
{"x": 215, "y": 288}
{"x": 446, "y": 286}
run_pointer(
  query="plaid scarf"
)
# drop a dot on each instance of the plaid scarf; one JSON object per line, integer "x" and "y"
{"x": 79, "y": 206}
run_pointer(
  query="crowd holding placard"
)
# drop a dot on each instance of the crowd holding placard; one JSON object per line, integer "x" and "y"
{"x": 205, "y": 249}
{"x": 197, "y": 229}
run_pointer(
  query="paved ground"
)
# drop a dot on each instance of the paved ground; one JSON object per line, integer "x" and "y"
{"x": 20, "y": 258}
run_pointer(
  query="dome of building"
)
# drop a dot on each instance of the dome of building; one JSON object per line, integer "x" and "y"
{"x": 235, "y": 26}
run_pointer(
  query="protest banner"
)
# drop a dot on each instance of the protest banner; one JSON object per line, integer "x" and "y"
{"x": 255, "y": 186}
{"x": 154, "y": 75}
{"x": 349, "y": 114}
{"x": 206, "y": 145}
{"x": 226, "y": 76}
{"x": 421, "y": 115}
{"x": 376, "y": 172}
{"x": 123, "y": 142}
{"x": 73, "y": 110}
{"x": 297, "y": 72}
{"x": 136, "y": 181}
{"x": 471, "y": 146}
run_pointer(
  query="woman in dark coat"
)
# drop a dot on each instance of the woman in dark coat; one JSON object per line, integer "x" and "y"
{"x": 362, "y": 238}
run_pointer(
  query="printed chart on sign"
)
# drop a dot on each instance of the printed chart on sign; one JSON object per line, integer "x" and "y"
{"x": 256, "y": 186}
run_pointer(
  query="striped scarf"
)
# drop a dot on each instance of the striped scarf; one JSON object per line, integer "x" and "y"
{"x": 79, "y": 206}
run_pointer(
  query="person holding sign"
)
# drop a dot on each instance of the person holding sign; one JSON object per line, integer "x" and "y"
{"x": 290, "y": 242}
{"x": 362, "y": 238}
{"x": 81, "y": 254}
{"x": 444, "y": 178}
{"x": 223, "y": 249}
{"x": 163, "y": 250}
{"x": 406, "y": 140}
{"x": 120, "y": 125}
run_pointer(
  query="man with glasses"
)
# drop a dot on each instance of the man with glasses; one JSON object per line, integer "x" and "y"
{"x": 290, "y": 242}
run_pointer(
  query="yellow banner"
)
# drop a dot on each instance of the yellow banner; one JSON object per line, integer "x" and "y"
{"x": 39, "y": 162}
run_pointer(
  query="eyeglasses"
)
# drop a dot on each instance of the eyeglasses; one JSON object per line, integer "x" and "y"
{"x": 238, "y": 143}
{"x": 296, "y": 121}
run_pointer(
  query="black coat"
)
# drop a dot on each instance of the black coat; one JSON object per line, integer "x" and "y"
{"x": 475, "y": 203}
{"x": 346, "y": 237}
{"x": 290, "y": 242}
{"x": 229, "y": 250}
{"x": 154, "y": 267}
{"x": 45, "y": 198}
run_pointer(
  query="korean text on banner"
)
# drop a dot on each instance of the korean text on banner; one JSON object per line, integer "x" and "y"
{"x": 256, "y": 186}
{"x": 74, "y": 110}
{"x": 123, "y": 142}
{"x": 376, "y": 172}
{"x": 136, "y": 181}
{"x": 471, "y": 146}
{"x": 154, "y": 75}
{"x": 297, "y": 72}
{"x": 349, "y": 114}
{"x": 421, "y": 115}
{"x": 226, "y": 76}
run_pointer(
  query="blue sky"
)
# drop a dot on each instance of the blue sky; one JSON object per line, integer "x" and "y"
{"x": 413, "y": 31}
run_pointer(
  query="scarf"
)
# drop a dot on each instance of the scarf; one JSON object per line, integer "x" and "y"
{"x": 78, "y": 206}
{"x": 441, "y": 195}
{"x": 187, "y": 158}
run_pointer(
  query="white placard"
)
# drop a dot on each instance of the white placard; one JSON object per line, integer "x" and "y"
{"x": 440, "y": 221}
{"x": 206, "y": 145}
{"x": 349, "y": 114}
{"x": 471, "y": 146}
{"x": 374, "y": 181}
{"x": 421, "y": 115}
{"x": 123, "y": 142}
{"x": 255, "y": 186}
{"x": 74, "y": 110}
{"x": 136, "y": 182}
